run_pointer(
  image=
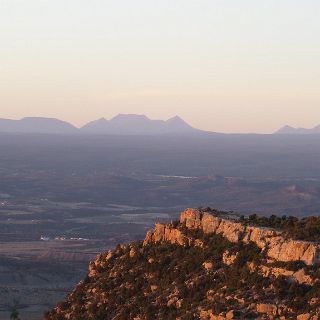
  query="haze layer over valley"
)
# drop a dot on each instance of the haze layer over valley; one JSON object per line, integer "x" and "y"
{"x": 65, "y": 198}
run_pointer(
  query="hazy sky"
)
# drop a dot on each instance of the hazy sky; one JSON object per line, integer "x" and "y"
{"x": 222, "y": 65}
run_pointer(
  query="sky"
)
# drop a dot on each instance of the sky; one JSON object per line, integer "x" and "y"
{"x": 222, "y": 65}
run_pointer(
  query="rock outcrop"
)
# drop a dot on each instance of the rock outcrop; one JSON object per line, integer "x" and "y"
{"x": 298, "y": 276}
{"x": 275, "y": 244}
{"x": 229, "y": 258}
{"x": 168, "y": 233}
{"x": 189, "y": 270}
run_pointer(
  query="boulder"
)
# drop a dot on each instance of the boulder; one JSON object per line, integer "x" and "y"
{"x": 266, "y": 308}
{"x": 229, "y": 258}
{"x": 305, "y": 316}
{"x": 207, "y": 265}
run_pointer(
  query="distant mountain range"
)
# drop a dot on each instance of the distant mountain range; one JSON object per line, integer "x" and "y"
{"x": 137, "y": 124}
{"x": 122, "y": 124}
{"x": 36, "y": 125}
{"x": 126, "y": 124}
{"x": 292, "y": 130}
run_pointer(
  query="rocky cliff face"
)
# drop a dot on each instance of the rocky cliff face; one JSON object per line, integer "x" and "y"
{"x": 163, "y": 232}
{"x": 205, "y": 266}
{"x": 276, "y": 246}
{"x": 272, "y": 241}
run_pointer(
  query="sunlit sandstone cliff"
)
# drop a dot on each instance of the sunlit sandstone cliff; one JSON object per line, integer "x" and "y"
{"x": 210, "y": 265}
{"x": 277, "y": 246}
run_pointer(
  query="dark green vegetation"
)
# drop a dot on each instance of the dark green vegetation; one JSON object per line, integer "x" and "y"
{"x": 301, "y": 229}
{"x": 165, "y": 281}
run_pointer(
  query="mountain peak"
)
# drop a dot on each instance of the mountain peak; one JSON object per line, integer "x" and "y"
{"x": 285, "y": 129}
{"x": 179, "y": 124}
{"x": 136, "y": 124}
{"x": 292, "y": 130}
{"x": 36, "y": 125}
{"x": 130, "y": 117}
{"x": 288, "y": 127}
{"x": 176, "y": 119}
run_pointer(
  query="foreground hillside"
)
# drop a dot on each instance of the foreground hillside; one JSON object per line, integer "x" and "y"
{"x": 208, "y": 265}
